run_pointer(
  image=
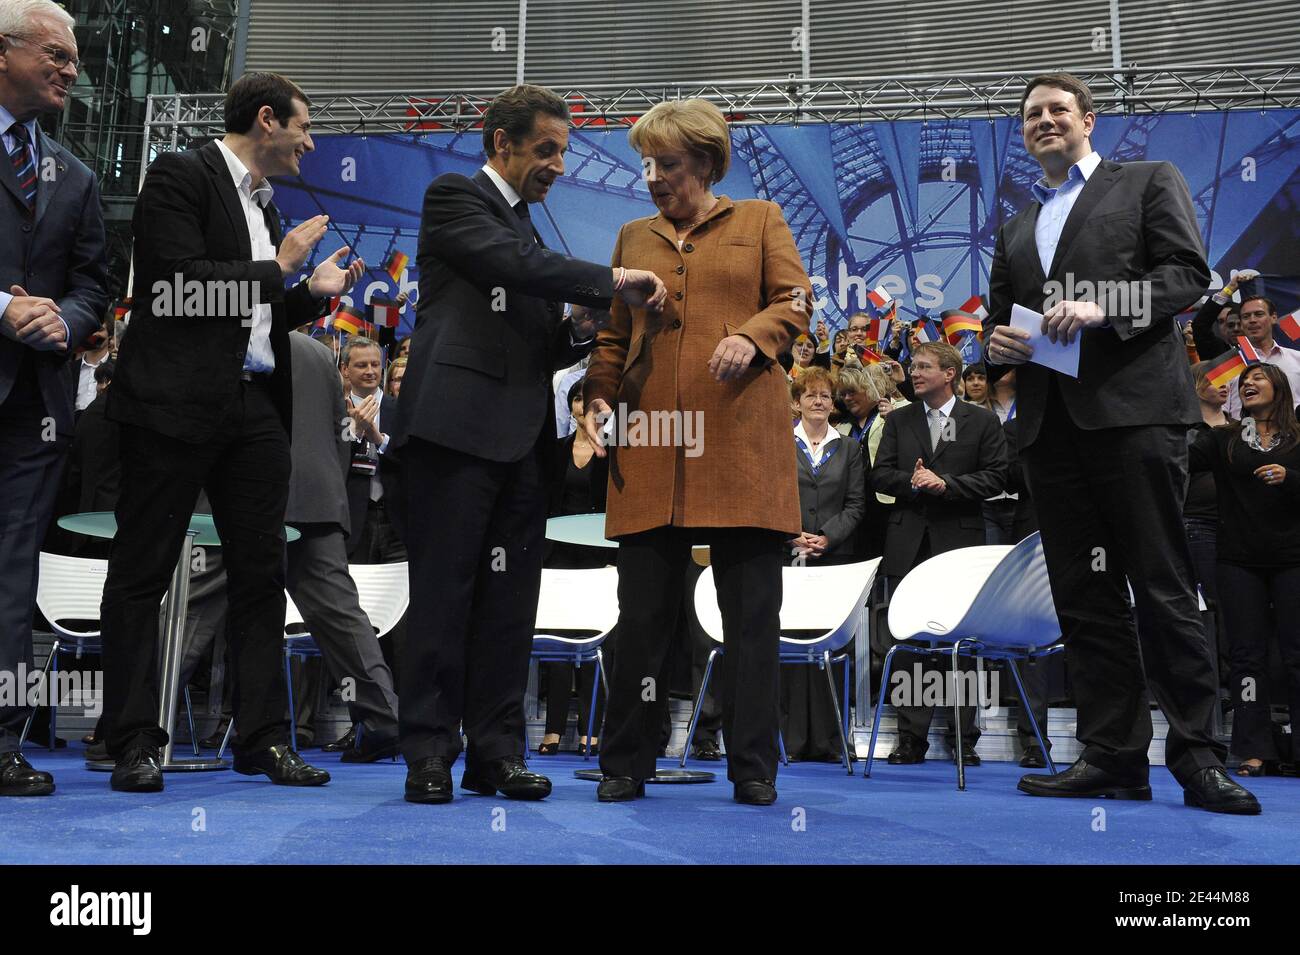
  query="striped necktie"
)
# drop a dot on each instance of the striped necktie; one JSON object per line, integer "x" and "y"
{"x": 24, "y": 164}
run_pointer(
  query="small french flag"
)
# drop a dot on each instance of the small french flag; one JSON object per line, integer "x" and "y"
{"x": 1291, "y": 325}
{"x": 975, "y": 306}
{"x": 1248, "y": 350}
{"x": 927, "y": 331}
{"x": 879, "y": 300}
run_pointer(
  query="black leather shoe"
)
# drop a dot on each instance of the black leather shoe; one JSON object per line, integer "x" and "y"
{"x": 1213, "y": 790}
{"x": 706, "y": 750}
{"x": 968, "y": 755}
{"x": 755, "y": 792}
{"x": 619, "y": 789}
{"x": 507, "y": 775}
{"x": 373, "y": 748}
{"x": 138, "y": 770}
{"x": 282, "y": 765}
{"x": 1085, "y": 781}
{"x": 1033, "y": 759}
{"x": 428, "y": 780}
{"x": 908, "y": 751}
{"x": 344, "y": 743}
{"x": 17, "y": 778}
{"x": 218, "y": 735}
{"x": 98, "y": 751}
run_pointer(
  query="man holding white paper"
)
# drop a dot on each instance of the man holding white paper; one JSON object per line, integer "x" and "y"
{"x": 1109, "y": 253}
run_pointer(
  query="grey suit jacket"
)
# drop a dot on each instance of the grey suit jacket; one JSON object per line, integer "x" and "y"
{"x": 317, "y": 492}
{"x": 58, "y": 253}
{"x": 833, "y": 499}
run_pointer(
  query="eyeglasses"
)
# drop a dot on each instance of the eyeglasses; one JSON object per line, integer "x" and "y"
{"x": 60, "y": 57}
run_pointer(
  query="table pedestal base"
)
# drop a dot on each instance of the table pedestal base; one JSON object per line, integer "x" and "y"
{"x": 661, "y": 776}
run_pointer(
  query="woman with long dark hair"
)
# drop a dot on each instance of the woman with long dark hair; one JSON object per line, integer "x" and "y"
{"x": 1256, "y": 465}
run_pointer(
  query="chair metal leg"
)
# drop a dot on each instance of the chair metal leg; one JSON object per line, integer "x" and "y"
{"x": 780, "y": 745}
{"x": 604, "y": 681}
{"x": 956, "y": 718}
{"x": 591, "y": 711}
{"x": 189, "y": 716}
{"x": 847, "y": 706}
{"x": 225, "y": 740}
{"x": 839, "y": 722}
{"x": 880, "y": 707}
{"x": 288, "y": 683}
{"x": 1033, "y": 721}
{"x": 27, "y": 726}
{"x": 699, "y": 704}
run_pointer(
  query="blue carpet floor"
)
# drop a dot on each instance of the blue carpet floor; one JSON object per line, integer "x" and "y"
{"x": 904, "y": 814}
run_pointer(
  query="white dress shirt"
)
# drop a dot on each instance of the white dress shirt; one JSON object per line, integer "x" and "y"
{"x": 1056, "y": 206}
{"x": 259, "y": 356}
{"x": 86, "y": 390}
{"x": 818, "y": 453}
{"x": 1288, "y": 359}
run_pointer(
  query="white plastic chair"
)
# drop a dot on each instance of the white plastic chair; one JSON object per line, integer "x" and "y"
{"x": 383, "y": 592}
{"x": 991, "y": 602}
{"x": 576, "y": 610}
{"x": 828, "y": 600}
{"x": 68, "y": 589}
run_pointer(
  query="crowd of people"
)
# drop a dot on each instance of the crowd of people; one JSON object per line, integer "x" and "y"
{"x": 450, "y": 449}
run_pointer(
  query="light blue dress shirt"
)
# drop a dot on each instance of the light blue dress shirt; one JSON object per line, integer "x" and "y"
{"x": 1056, "y": 205}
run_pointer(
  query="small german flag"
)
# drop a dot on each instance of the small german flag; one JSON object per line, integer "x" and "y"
{"x": 352, "y": 321}
{"x": 395, "y": 264}
{"x": 955, "y": 325}
{"x": 121, "y": 310}
{"x": 385, "y": 312}
{"x": 868, "y": 356}
{"x": 1226, "y": 370}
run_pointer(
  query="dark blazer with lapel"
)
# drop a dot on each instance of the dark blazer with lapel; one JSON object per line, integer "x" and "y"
{"x": 181, "y": 376}
{"x": 359, "y": 484}
{"x": 832, "y": 501}
{"x": 320, "y": 454}
{"x": 973, "y": 465}
{"x": 56, "y": 252}
{"x": 1132, "y": 222}
{"x": 488, "y": 332}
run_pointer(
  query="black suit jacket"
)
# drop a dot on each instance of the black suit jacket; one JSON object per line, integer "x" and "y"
{"x": 180, "y": 376}
{"x": 359, "y": 484}
{"x": 1132, "y": 222}
{"x": 488, "y": 332}
{"x": 974, "y": 466}
{"x": 55, "y": 252}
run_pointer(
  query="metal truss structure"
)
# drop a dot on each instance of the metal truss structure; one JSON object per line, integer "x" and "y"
{"x": 174, "y": 120}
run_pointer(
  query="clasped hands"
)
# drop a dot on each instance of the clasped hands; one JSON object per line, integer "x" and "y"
{"x": 923, "y": 479}
{"x": 34, "y": 321}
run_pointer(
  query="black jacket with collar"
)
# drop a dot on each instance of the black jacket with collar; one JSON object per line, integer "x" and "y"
{"x": 180, "y": 375}
{"x": 1132, "y": 223}
{"x": 971, "y": 457}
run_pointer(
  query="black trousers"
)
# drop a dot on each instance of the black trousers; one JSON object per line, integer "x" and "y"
{"x": 651, "y": 579}
{"x": 30, "y": 465}
{"x": 476, "y": 529}
{"x": 1244, "y": 597}
{"x": 1109, "y": 505}
{"x": 245, "y": 470}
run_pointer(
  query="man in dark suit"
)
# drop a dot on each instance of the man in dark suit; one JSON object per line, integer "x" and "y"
{"x": 475, "y": 430}
{"x": 204, "y": 394}
{"x": 1106, "y": 453}
{"x": 52, "y": 296}
{"x": 372, "y": 538}
{"x": 940, "y": 458}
